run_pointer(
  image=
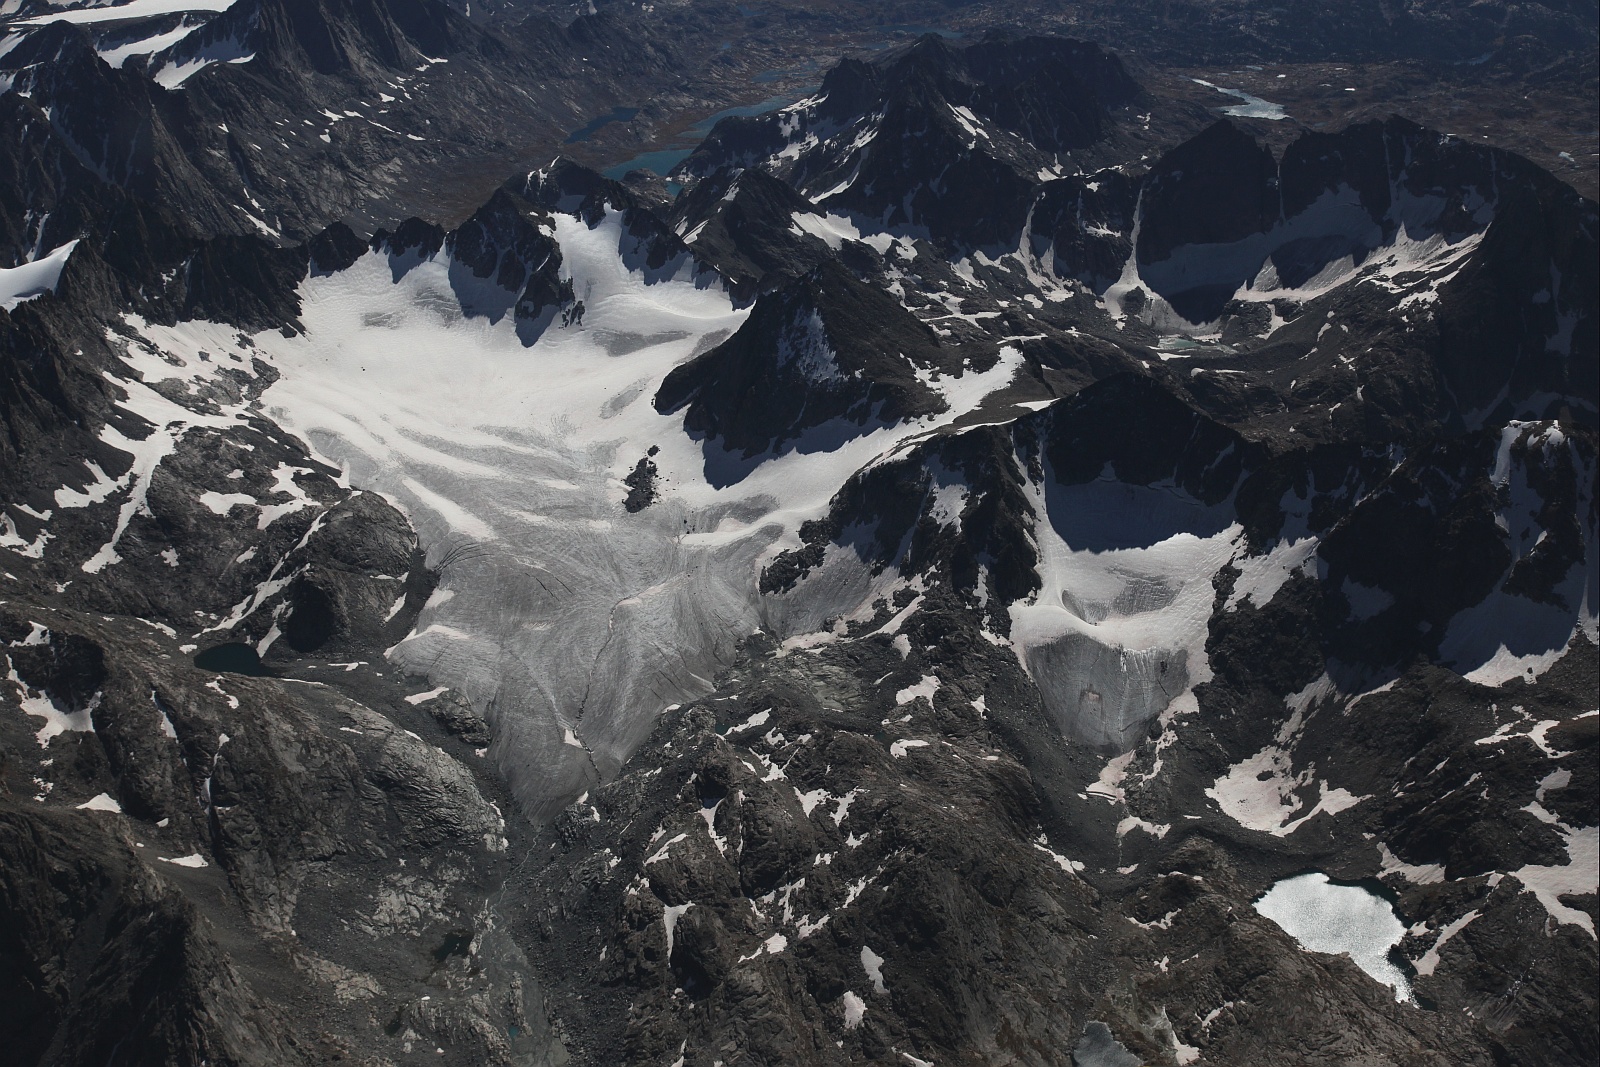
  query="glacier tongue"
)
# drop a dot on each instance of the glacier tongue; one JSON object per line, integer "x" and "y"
{"x": 574, "y": 621}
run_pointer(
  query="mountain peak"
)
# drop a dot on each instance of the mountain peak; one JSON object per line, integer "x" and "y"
{"x": 827, "y": 355}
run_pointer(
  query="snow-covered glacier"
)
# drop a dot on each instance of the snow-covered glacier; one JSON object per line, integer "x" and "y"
{"x": 569, "y": 620}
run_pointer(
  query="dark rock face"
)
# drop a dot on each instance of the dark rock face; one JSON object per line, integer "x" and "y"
{"x": 507, "y": 241}
{"x": 1215, "y": 189}
{"x": 1382, "y": 746}
{"x": 1179, "y": 445}
{"x": 826, "y": 353}
{"x": 796, "y": 961}
{"x": 743, "y": 221}
{"x": 1494, "y": 331}
{"x": 1082, "y": 226}
{"x": 216, "y": 125}
{"x": 641, "y": 483}
{"x": 131, "y": 964}
{"x": 238, "y": 819}
{"x": 1436, "y": 263}
{"x": 1352, "y": 195}
{"x": 237, "y": 844}
{"x": 936, "y": 139}
{"x": 455, "y": 713}
{"x": 781, "y": 863}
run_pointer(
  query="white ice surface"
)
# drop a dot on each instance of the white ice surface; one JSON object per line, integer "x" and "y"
{"x": 1324, "y": 917}
{"x": 11, "y": 539}
{"x": 33, "y": 279}
{"x": 855, "y": 1009}
{"x": 193, "y": 859}
{"x": 872, "y": 963}
{"x": 1252, "y": 107}
{"x": 179, "y": 68}
{"x": 1264, "y": 792}
{"x": 42, "y": 706}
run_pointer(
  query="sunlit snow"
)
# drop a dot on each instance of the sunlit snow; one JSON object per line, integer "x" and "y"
{"x": 29, "y": 280}
{"x": 178, "y": 69}
{"x": 126, "y": 49}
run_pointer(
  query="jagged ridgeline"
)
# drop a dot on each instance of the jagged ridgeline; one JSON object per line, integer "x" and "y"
{"x": 905, "y": 599}
{"x": 278, "y": 117}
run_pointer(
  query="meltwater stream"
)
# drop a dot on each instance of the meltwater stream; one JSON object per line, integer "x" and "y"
{"x": 1327, "y": 917}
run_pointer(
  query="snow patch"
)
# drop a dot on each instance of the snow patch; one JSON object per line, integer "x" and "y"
{"x": 1429, "y": 960}
{"x": 193, "y": 859}
{"x": 924, "y": 689}
{"x": 872, "y": 963}
{"x": 669, "y": 920}
{"x": 1580, "y": 875}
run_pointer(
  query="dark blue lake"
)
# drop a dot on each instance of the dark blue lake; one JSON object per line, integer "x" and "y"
{"x": 616, "y": 114}
{"x": 662, "y": 160}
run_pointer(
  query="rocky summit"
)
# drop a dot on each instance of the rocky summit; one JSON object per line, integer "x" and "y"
{"x": 784, "y": 535}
